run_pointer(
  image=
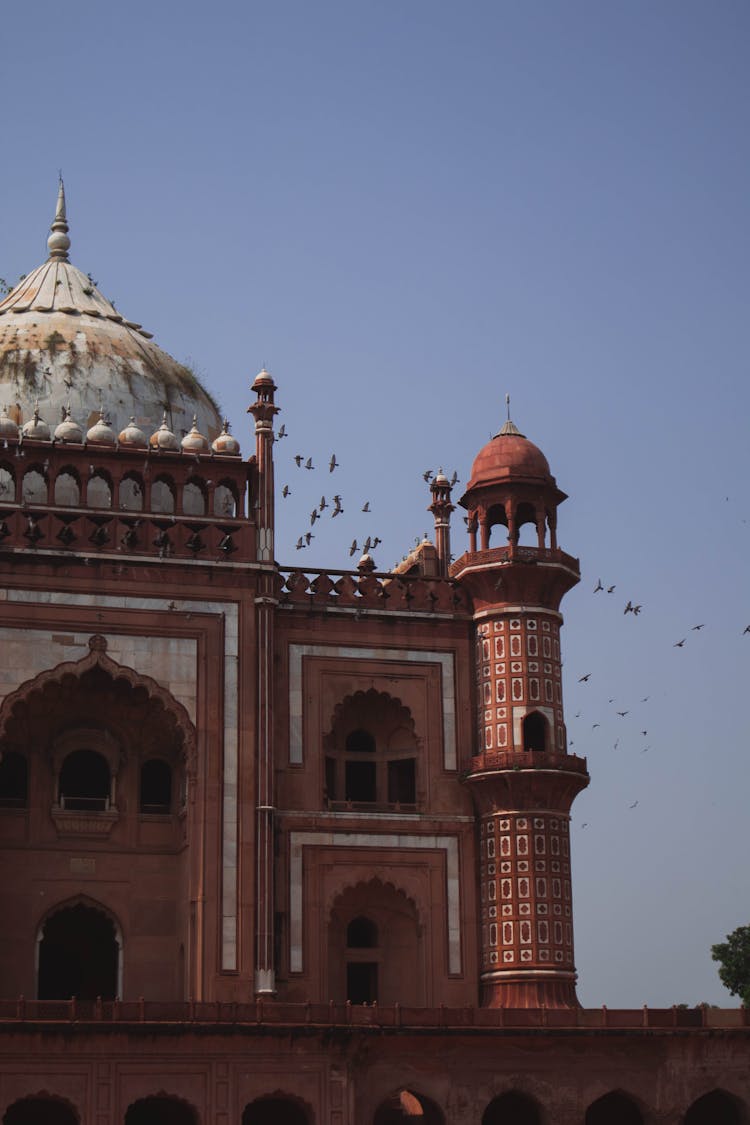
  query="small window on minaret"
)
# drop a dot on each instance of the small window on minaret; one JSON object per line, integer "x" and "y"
{"x": 535, "y": 732}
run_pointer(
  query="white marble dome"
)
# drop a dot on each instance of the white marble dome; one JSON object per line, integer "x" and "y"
{"x": 62, "y": 343}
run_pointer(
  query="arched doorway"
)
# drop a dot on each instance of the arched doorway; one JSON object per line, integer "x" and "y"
{"x": 715, "y": 1108}
{"x": 614, "y": 1109}
{"x": 276, "y": 1110}
{"x": 408, "y": 1106}
{"x": 160, "y": 1110}
{"x": 512, "y": 1108}
{"x": 40, "y": 1111}
{"x": 78, "y": 955}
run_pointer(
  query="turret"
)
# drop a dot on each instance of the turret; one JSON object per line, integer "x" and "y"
{"x": 522, "y": 779}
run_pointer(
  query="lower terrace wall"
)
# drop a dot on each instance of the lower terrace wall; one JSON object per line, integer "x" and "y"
{"x": 341, "y": 1064}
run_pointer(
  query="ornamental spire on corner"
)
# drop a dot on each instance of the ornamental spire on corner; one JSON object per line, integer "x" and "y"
{"x": 509, "y": 427}
{"x": 58, "y": 242}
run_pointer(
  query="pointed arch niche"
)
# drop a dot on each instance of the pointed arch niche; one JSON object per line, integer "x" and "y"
{"x": 376, "y": 946}
{"x": 371, "y": 754}
{"x": 88, "y": 731}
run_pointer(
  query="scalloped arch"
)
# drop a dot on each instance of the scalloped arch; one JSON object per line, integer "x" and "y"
{"x": 188, "y": 1110}
{"x": 293, "y": 1100}
{"x": 79, "y": 900}
{"x": 372, "y": 886}
{"x": 97, "y": 658}
{"x": 354, "y": 707}
{"x": 42, "y": 1096}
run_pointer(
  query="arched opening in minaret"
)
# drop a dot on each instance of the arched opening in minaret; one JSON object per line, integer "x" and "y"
{"x": 161, "y": 1110}
{"x": 155, "y": 787}
{"x": 276, "y": 1110}
{"x": 194, "y": 497}
{"x": 535, "y": 731}
{"x": 40, "y": 1111}
{"x": 408, "y": 1106}
{"x": 163, "y": 495}
{"x": 526, "y": 525}
{"x": 225, "y": 500}
{"x": 78, "y": 955}
{"x": 496, "y": 517}
{"x": 512, "y": 1108}
{"x": 715, "y": 1108}
{"x": 615, "y": 1108}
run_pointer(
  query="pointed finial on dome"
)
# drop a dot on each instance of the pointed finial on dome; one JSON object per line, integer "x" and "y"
{"x": 509, "y": 428}
{"x": 58, "y": 242}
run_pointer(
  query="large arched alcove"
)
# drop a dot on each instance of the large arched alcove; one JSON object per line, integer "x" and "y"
{"x": 277, "y": 1109}
{"x": 43, "y": 1109}
{"x": 716, "y": 1108}
{"x": 375, "y": 947}
{"x": 79, "y": 954}
{"x": 408, "y": 1106}
{"x": 86, "y": 729}
{"x": 161, "y": 1109}
{"x": 512, "y": 1108}
{"x": 615, "y": 1108}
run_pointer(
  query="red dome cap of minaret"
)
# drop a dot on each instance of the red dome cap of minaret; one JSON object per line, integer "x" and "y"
{"x": 509, "y": 455}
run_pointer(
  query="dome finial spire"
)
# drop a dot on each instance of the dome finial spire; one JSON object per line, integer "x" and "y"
{"x": 58, "y": 242}
{"x": 508, "y": 426}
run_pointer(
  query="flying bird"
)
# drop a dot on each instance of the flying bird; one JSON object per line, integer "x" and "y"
{"x": 427, "y": 474}
{"x": 696, "y": 628}
{"x": 637, "y": 609}
{"x": 322, "y": 506}
{"x": 746, "y": 630}
{"x": 584, "y": 679}
{"x": 366, "y": 506}
{"x": 454, "y": 479}
{"x": 309, "y": 464}
{"x": 308, "y": 536}
{"x": 622, "y": 714}
{"x": 633, "y": 805}
{"x": 300, "y": 543}
{"x": 282, "y": 433}
{"x": 333, "y": 463}
{"x": 629, "y": 608}
{"x": 595, "y": 725}
{"x": 337, "y": 509}
{"x": 367, "y": 545}
{"x": 598, "y": 586}
{"x": 285, "y": 491}
{"x": 610, "y": 589}
{"x": 298, "y": 459}
{"x": 353, "y": 549}
{"x": 375, "y": 542}
{"x": 313, "y": 517}
{"x": 679, "y": 644}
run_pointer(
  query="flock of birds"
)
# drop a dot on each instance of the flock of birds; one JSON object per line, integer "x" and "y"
{"x": 333, "y": 505}
{"x": 635, "y": 609}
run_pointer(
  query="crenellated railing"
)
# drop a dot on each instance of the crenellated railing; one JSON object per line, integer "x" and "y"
{"x": 343, "y": 1015}
{"x": 373, "y": 591}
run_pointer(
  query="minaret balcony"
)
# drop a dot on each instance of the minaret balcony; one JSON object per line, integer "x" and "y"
{"x": 511, "y": 553}
{"x": 498, "y": 761}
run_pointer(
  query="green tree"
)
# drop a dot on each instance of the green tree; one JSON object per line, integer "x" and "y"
{"x": 733, "y": 956}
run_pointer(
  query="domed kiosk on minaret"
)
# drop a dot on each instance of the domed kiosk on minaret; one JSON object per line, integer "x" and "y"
{"x": 522, "y": 780}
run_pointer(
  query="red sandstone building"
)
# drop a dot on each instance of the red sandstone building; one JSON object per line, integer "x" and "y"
{"x": 279, "y": 845}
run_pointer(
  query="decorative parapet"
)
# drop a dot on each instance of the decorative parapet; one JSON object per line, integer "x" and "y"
{"x": 385, "y": 592}
{"x": 496, "y": 760}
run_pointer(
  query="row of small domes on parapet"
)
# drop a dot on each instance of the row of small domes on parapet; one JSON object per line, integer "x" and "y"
{"x": 132, "y": 437}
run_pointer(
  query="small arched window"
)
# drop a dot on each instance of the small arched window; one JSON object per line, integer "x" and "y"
{"x": 34, "y": 490}
{"x": 156, "y": 787}
{"x": 360, "y": 775}
{"x": 67, "y": 489}
{"x": 85, "y": 782}
{"x": 14, "y": 781}
{"x": 535, "y": 731}
{"x": 163, "y": 496}
{"x": 99, "y": 491}
{"x": 194, "y": 498}
{"x": 361, "y": 933}
{"x": 131, "y": 493}
{"x": 225, "y": 501}
{"x": 7, "y": 485}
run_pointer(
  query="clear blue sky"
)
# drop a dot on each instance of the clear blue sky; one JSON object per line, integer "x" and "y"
{"x": 406, "y": 209}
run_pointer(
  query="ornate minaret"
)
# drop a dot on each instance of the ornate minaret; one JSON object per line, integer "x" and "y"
{"x": 441, "y": 508}
{"x": 521, "y": 777}
{"x": 264, "y": 411}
